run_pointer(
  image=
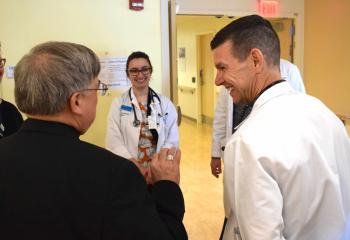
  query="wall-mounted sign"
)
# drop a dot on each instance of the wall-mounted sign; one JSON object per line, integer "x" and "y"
{"x": 268, "y": 8}
{"x": 10, "y": 72}
{"x": 113, "y": 72}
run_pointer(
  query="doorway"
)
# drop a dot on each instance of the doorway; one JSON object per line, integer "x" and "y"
{"x": 206, "y": 77}
{"x": 197, "y": 73}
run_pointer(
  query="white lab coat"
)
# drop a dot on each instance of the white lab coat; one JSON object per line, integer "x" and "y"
{"x": 222, "y": 123}
{"x": 223, "y": 117}
{"x": 123, "y": 138}
{"x": 287, "y": 170}
{"x": 291, "y": 73}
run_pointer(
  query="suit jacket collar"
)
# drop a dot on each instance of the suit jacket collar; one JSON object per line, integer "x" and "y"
{"x": 50, "y": 127}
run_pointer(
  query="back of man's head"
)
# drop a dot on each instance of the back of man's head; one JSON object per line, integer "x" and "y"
{"x": 46, "y": 77}
{"x": 247, "y": 33}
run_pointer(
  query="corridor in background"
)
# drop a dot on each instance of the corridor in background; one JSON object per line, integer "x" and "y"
{"x": 202, "y": 192}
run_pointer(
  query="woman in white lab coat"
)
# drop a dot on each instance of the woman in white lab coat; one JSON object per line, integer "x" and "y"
{"x": 140, "y": 121}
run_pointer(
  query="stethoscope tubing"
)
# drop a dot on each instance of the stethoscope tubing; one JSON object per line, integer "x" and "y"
{"x": 151, "y": 95}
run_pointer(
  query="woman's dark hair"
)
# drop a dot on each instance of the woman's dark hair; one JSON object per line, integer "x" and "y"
{"x": 137, "y": 54}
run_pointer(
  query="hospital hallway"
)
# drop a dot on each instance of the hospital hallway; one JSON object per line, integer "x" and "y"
{"x": 203, "y": 192}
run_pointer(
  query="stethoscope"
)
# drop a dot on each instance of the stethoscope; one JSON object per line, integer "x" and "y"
{"x": 150, "y": 98}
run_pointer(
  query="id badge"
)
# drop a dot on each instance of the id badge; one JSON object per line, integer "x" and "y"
{"x": 152, "y": 122}
{"x": 125, "y": 110}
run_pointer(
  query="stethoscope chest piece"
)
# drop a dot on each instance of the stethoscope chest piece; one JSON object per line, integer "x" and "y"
{"x": 136, "y": 123}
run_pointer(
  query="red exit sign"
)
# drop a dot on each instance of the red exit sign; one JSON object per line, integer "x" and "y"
{"x": 268, "y": 8}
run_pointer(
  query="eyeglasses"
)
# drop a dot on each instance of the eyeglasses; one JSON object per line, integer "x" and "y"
{"x": 101, "y": 87}
{"x": 135, "y": 71}
{"x": 2, "y": 62}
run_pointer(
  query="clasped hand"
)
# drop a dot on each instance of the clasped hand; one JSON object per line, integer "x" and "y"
{"x": 165, "y": 165}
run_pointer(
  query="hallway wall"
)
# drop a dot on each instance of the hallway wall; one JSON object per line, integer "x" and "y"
{"x": 105, "y": 26}
{"x": 327, "y": 51}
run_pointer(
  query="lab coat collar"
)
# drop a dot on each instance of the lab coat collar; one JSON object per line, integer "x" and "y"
{"x": 277, "y": 90}
{"x": 155, "y": 100}
{"x": 272, "y": 92}
{"x": 133, "y": 98}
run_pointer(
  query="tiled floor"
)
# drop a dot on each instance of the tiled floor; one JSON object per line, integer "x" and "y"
{"x": 202, "y": 192}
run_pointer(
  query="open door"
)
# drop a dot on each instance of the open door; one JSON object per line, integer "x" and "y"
{"x": 285, "y": 31}
{"x": 206, "y": 78}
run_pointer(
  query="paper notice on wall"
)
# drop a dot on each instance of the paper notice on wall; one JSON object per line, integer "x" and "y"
{"x": 10, "y": 72}
{"x": 113, "y": 72}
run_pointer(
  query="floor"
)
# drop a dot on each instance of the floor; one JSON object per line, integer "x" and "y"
{"x": 202, "y": 191}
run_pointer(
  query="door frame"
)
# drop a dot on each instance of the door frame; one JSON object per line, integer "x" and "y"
{"x": 199, "y": 86}
{"x": 169, "y": 10}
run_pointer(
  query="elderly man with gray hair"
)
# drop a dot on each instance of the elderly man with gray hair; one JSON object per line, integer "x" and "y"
{"x": 55, "y": 186}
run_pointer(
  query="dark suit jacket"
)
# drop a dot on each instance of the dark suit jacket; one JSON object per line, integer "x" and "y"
{"x": 54, "y": 186}
{"x": 10, "y": 118}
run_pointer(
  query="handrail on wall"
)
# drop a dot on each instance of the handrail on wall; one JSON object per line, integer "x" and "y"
{"x": 187, "y": 89}
{"x": 344, "y": 117}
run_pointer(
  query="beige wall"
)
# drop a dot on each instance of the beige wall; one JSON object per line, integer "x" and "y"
{"x": 327, "y": 51}
{"x": 104, "y": 26}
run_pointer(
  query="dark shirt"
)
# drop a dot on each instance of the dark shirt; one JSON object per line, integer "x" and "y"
{"x": 10, "y": 119}
{"x": 240, "y": 112}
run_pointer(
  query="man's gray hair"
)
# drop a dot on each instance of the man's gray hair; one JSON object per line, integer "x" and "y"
{"x": 50, "y": 73}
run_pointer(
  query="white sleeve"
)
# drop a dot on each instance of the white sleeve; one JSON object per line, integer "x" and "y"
{"x": 114, "y": 138}
{"x": 255, "y": 195}
{"x": 291, "y": 73}
{"x": 296, "y": 80}
{"x": 172, "y": 130}
{"x": 219, "y": 123}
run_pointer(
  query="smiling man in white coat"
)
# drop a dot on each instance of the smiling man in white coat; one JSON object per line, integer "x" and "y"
{"x": 228, "y": 115}
{"x": 286, "y": 168}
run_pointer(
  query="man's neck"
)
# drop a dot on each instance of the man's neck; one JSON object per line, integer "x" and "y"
{"x": 266, "y": 80}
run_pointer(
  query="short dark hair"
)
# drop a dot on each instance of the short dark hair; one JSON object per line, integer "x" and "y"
{"x": 137, "y": 54}
{"x": 247, "y": 33}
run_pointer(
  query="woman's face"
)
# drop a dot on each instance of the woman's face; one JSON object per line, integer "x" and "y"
{"x": 139, "y": 73}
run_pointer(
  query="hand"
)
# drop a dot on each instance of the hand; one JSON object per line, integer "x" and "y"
{"x": 215, "y": 165}
{"x": 146, "y": 172}
{"x": 163, "y": 168}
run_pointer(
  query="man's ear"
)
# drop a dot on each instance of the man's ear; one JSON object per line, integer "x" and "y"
{"x": 258, "y": 59}
{"x": 75, "y": 103}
